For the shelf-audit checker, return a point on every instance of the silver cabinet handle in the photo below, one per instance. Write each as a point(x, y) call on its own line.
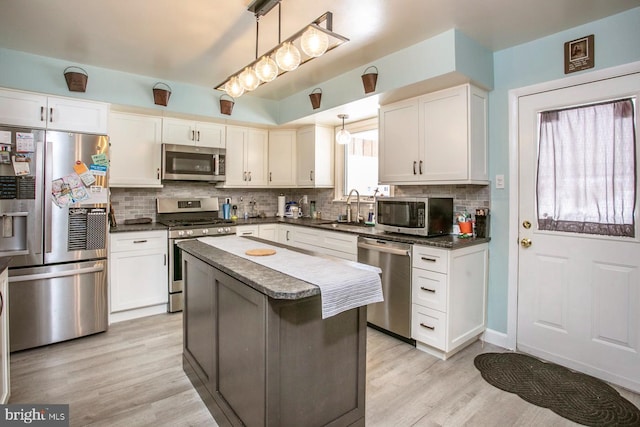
point(287, 236)
point(244, 175)
point(42, 113)
point(414, 167)
point(165, 259)
point(198, 136)
point(51, 115)
point(310, 175)
point(249, 175)
point(140, 241)
point(247, 233)
point(431, 328)
point(270, 176)
point(55, 274)
point(193, 135)
point(420, 167)
point(158, 173)
point(428, 259)
point(427, 289)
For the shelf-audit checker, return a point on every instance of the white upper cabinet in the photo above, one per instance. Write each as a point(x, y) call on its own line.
point(135, 150)
point(437, 138)
point(52, 112)
point(282, 158)
point(188, 132)
point(247, 157)
point(315, 156)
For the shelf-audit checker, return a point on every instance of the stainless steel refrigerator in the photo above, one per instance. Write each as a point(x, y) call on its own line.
point(53, 223)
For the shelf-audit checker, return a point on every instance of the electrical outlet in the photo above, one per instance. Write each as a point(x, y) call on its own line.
point(500, 181)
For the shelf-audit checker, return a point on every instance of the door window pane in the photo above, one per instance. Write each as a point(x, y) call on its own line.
point(586, 180)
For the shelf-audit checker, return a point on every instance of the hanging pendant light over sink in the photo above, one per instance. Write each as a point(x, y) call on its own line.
point(343, 137)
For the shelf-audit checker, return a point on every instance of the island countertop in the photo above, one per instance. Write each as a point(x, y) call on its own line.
point(272, 283)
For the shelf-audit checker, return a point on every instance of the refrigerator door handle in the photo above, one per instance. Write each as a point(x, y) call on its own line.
point(47, 198)
point(54, 274)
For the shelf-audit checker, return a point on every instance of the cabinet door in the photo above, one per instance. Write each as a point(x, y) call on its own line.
point(282, 158)
point(241, 313)
point(399, 143)
point(210, 135)
point(135, 150)
point(177, 131)
point(444, 135)
point(235, 161)
point(257, 153)
point(138, 279)
point(268, 232)
point(23, 109)
point(4, 337)
point(77, 116)
point(324, 144)
point(306, 157)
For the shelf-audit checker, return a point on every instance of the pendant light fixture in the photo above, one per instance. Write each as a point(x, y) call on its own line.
point(310, 42)
point(343, 137)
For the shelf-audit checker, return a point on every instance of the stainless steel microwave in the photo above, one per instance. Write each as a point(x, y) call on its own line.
point(192, 163)
point(422, 216)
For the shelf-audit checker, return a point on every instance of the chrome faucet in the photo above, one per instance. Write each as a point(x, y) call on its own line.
point(358, 216)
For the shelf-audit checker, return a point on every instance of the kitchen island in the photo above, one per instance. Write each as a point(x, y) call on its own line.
point(258, 351)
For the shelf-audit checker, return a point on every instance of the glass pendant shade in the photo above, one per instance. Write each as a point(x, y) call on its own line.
point(266, 69)
point(314, 43)
point(288, 57)
point(233, 87)
point(248, 79)
point(343, 137)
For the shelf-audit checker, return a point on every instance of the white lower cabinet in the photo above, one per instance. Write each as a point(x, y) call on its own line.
point(248, 230)
point(334, 243)
point(5, 389)
point(138, 274)
point(449, 297)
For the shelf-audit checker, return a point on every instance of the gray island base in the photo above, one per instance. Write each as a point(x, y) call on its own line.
point(258, 351)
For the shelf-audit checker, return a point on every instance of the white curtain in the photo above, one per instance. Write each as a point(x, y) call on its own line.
point(586, 180)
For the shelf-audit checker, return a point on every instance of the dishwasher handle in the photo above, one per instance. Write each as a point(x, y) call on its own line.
point(380, 247)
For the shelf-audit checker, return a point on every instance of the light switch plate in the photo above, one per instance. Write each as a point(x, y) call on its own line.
point(499, 181)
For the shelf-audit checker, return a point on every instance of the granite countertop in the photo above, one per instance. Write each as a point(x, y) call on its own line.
point(272, 283)
point(447, 242)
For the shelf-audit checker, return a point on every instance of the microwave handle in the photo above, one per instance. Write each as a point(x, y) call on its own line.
point(216, 163)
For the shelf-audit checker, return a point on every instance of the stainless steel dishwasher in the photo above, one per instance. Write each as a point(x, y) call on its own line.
point(394, 259)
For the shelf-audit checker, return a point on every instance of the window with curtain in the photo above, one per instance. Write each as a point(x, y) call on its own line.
point(586, 178)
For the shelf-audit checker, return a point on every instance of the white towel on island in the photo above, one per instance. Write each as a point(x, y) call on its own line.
point(343, 284)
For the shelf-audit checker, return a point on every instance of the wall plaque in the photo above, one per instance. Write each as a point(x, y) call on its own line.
point(579, 54)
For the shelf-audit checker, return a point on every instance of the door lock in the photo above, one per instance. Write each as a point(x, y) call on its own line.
point(526, 224)
point(525, 243)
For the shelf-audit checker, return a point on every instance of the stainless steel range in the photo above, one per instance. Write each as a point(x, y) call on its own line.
point(187, 218)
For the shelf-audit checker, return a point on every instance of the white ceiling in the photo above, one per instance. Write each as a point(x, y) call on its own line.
point(203, 41)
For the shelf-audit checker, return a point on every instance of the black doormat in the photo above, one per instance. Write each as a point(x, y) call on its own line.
point(572, 395)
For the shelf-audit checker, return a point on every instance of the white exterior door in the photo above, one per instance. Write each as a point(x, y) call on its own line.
point(578, 294)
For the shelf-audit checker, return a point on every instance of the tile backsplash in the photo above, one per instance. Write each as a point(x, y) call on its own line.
point(131, 203)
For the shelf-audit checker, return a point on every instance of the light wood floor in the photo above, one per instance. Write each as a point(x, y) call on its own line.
point(132, 376)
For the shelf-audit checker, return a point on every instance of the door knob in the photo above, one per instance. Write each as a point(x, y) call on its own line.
point(525, 243)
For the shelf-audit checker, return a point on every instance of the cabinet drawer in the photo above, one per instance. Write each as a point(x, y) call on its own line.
point(138, 241)
point(428, 326)
point(429, 289)
point(432, 259)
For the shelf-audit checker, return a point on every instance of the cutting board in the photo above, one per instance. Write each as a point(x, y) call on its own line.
point(260, 252)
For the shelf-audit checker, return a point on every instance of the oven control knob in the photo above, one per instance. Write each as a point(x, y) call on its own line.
point(220, 230)
point(189, 232)
point(181, 233)
point(205, 231)
point(227, 229)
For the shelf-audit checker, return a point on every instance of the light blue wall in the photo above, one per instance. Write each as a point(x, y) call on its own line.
point(446, 53)
point(617, 41)
point(42, 74)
